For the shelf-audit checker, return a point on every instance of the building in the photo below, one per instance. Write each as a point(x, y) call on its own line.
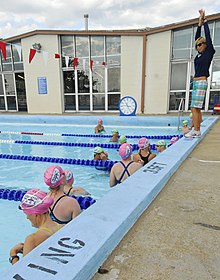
point(53, 71)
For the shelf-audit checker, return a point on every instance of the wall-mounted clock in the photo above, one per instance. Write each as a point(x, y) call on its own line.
point(127, 106)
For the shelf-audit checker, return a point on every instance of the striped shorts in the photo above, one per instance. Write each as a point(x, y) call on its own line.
point(198, 94)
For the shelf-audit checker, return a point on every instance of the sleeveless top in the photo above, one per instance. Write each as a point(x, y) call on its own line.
point(145, 159)
point(49, 230)
point(124, 171)
point(53, 217)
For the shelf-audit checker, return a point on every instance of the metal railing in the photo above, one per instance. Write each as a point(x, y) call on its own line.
point(180, 111)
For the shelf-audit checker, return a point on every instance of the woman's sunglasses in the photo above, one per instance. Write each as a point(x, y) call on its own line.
point(199, 45)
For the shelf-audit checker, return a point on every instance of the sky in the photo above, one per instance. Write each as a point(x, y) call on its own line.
point(18, 17)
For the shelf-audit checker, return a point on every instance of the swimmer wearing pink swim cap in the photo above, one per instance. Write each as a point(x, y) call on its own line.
point(69, 189)
point(64, 208)
point(35, 204)
point(144, 154)
point(99, 128)
point(124, 168)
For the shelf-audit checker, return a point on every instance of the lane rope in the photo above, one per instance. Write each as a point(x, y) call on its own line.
point(168, 137)
point(17, 195)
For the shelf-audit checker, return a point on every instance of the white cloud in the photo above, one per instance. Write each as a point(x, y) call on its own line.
point(17, 17)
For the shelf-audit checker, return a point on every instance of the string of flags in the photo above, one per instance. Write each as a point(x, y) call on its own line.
point(32, 53)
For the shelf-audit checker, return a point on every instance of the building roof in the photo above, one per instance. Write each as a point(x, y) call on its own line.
point(125, 32)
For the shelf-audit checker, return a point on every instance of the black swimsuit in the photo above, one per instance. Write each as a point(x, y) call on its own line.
point(69, 191)
point(145, 159)
point(53, 217)
point(125, 171)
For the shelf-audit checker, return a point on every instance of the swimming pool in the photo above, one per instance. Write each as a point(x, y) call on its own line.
point(29, 174)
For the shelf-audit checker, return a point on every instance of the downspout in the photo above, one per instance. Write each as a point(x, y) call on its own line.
point(143, 72)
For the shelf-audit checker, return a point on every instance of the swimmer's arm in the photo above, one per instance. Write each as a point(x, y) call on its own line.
point(30, 243)
point(16, 250)
point(152, 156)
point(76, 208)
point(137, 158)
point(112, 181)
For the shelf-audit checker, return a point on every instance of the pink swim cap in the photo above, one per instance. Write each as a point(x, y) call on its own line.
point(36, 202)
point(99, 121)
point(174, 139)
point(69, 176)
point(143, 143)
point(53, 176)
point(125, 150)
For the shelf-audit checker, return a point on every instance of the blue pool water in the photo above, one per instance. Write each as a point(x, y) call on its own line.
point(27, 174)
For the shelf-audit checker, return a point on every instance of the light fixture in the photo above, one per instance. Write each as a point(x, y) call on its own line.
point(37, 47)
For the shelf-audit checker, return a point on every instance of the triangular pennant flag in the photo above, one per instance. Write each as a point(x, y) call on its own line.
point(67, 60)
point(3, 48)
point(91, 63)
point(75, 62)
point(31, 54)
point(18, 48)
point(57, 55)
point(84, 64)
point(45, 56)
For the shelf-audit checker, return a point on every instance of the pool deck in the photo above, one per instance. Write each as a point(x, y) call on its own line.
point(178, 236)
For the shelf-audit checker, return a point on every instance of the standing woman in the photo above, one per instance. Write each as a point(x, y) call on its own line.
point(202, 63)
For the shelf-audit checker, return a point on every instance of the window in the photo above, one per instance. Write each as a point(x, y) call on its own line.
point(17, 56)
point(98, 80)
point(214, 98)
point(84, 102)
point(97, 50)
point(182, 44)
point(7, 64)
point(82, 52)
point(83, 81)
point(9, 84)
point(178, 76)
point(70, 102)
point(98, 101)
point(97, 73)
point(12, 81)
point(215, 80)
point(114, 79)
point(217, 38)
point(68, 50)
point(113, 50)
point(21, 92)
point(113, 101)
point(69, 81)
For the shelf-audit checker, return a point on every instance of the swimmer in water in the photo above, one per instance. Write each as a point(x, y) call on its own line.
point(35, 204)
point(100, 154)
point(99, 128)
point(115, 135)
point(69, 189)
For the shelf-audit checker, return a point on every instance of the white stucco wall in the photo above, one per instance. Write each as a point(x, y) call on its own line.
point(157, 73)
point(131, 67)
point(51, 102)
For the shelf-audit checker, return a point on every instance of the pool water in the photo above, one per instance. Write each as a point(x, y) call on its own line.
point(18, 174)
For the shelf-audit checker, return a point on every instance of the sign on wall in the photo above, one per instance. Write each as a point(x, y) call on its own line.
point(42, 85)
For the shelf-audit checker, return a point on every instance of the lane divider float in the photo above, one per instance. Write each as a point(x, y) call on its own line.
point(100, 163)
point(17, 195)
point(168, 137)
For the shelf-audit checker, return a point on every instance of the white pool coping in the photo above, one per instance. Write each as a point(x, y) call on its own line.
point(78, 249)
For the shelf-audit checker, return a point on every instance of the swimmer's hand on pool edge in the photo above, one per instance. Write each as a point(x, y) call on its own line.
point(17, 249)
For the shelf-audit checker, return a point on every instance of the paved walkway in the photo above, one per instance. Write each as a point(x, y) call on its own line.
point(178, 236)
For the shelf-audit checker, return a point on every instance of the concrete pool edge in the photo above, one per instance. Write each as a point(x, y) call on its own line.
point(107, 226)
